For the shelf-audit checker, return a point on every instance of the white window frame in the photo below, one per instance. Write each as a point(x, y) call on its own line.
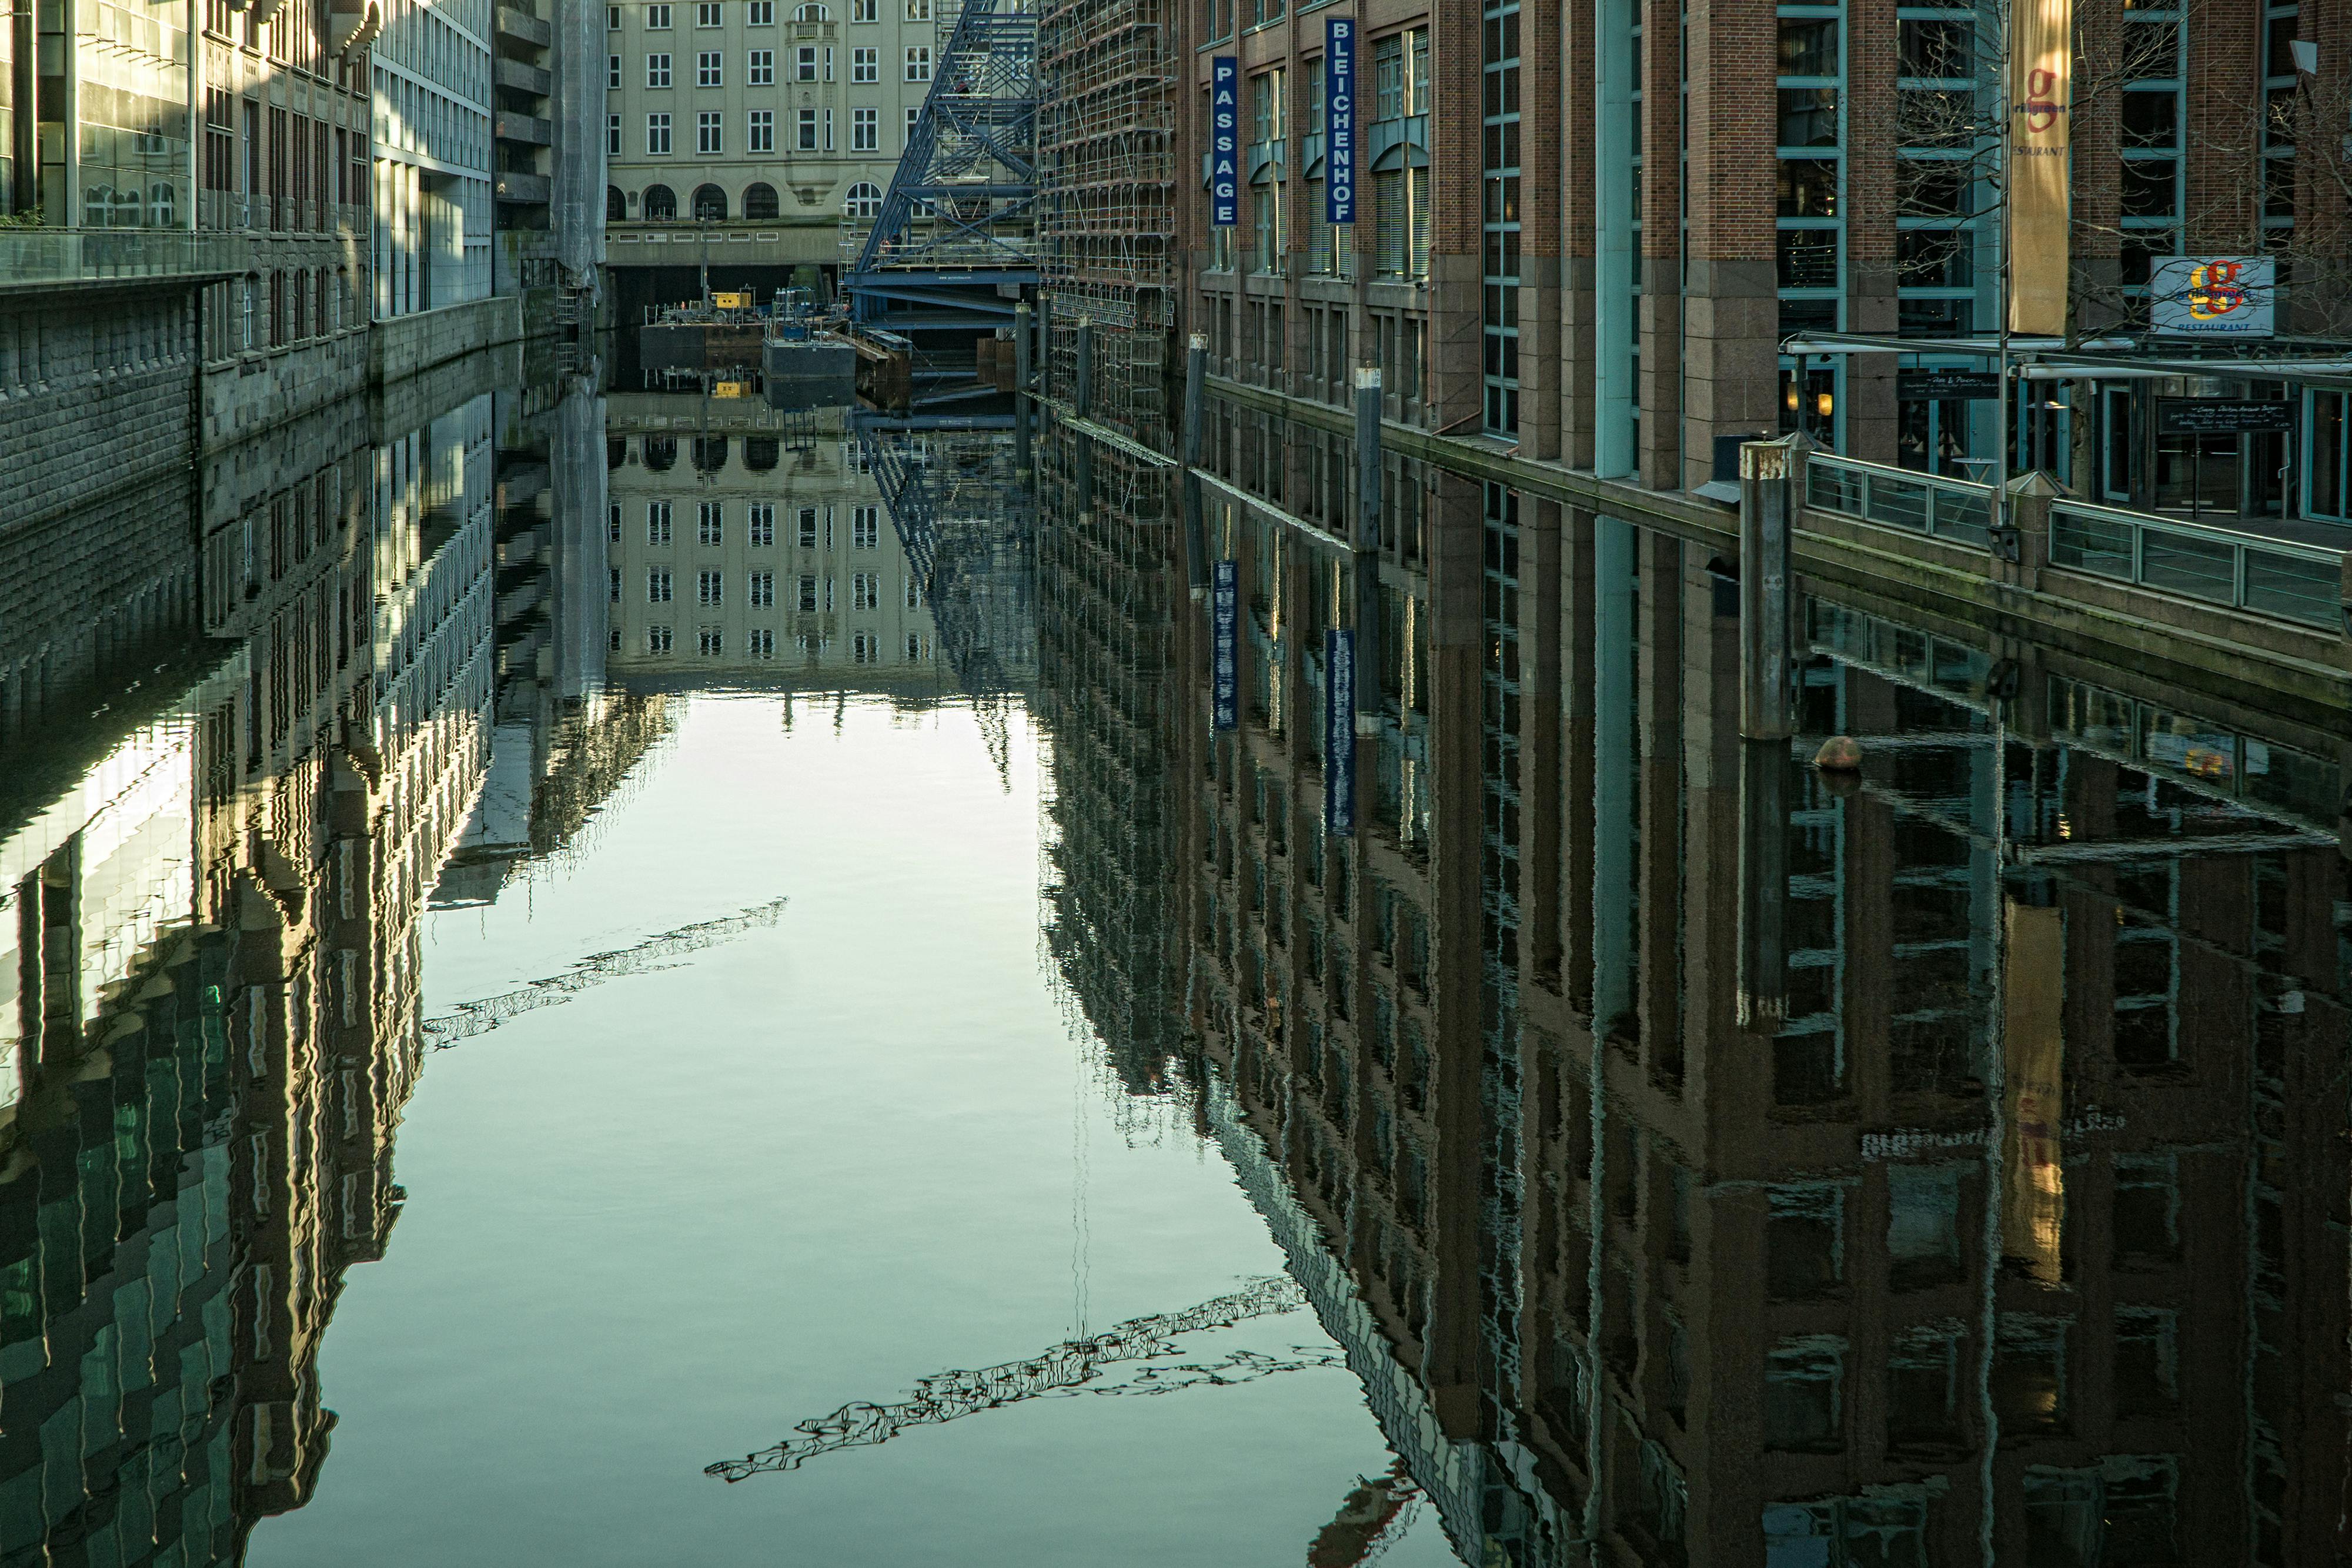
point(656, 135)
point(762, 132)
point(864, 10)
point(865, 65)
point(657, 69)
point(760, 14)
point(657, 18)
point(711, 68)
point(804, 63)
point(864, 130)
point(613, 72)
point(914, 113)
point(710, 13)
point(612, 136)
point(919, 10)
point(918, 62)
point(709, 132)
point(759, 67)
point(806, 140)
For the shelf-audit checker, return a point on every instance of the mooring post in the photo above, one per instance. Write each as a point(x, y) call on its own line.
point(1763, 978)
point(1367, 543)
point(1021, 345)
point(1196, 548)
point(1767, 700)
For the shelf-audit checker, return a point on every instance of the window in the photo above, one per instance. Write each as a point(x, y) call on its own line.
point(863, 201)
point(917, 646)
point(763, 67)
point(914, 594)
point(808, 528)
point(658, 637)
point(828, 129)
point(865, 130)
point(804, 64)
point(828, 65)
point(918, 63)
point(914, 113)
point(709, 13)
point(865, 590)
point(865, 528)
point(707, 137)
point(611, 18)
point(709, 588)
point(808, 130)
point(760, 14)
point(1804, 1386)
point(808, 591)
point(710, 522)
point(613, 523)
point(862, 10)
point(656, 586)
point(613, 72)
point(865, 648)
point(657, 522)
point(865, 65)
point(657, 71)
point(761, 523)
point(612, 142)
point(709, 640)
point(614, 593)
point(760, 589)
point(661, 204)
point(658, 17)
point(919, 10)
point(812, 12)
point(760, 197)
point(760, 642)
point(708, 69)
point(762, 139)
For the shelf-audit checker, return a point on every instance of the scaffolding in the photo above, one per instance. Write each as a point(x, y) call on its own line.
point(1106, 147)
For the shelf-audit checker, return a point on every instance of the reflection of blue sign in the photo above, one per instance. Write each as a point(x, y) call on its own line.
point(1224, 614)
point(1339, 731)
point(1224, 141)
point(1340, 122)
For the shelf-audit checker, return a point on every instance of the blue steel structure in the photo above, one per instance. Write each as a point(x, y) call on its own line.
point(954, 246)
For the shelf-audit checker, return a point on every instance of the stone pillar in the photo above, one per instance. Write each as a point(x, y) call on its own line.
point(1731, 322)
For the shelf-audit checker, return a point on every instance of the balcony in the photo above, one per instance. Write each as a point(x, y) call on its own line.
point(524, 29)
point(522, 189)
point(520, 77)
point(33, 259)
point(528, 129)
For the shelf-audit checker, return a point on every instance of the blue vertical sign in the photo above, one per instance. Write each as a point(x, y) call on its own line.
point(1224, 615)
point(1339, 732)
point(1224, 141)
point(1340, 122)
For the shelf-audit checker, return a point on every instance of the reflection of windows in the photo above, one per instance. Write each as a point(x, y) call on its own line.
point(808, 528)
point(2145, 1218)
point(2146, 1372)
point(865, 590)
point(710, 522)
point(656, 639)
point(918, 646)
point(1804, 1394)
point(656, 586)
point(711, 641)
point(1888, 1527)
point(1922, 1370)
point(2028, 1374)
point(710, 588)
point(2121, 1509)
point(656, 520)
point(1922, 1225)
point(760, 589)
point(914, 594)
point(762, 522)
point(1804, 1243)
point(865, 648)
point(760, 644)
point(865, 528)
point(616, 593)
point(613, 522)
point(807, 591)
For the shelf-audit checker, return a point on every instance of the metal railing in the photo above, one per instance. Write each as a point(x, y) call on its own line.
point(2274, 578)
point(1960, 510)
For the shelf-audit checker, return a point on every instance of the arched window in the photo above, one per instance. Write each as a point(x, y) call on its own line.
point(617, 206)
point(760, 201)
point(98, 206)
point(162, 206)
point(709, 204)
point(863, 201)
point(760, 453)
point(661, 205)
point(660, 452)
point(812, 12)
point(709, 454)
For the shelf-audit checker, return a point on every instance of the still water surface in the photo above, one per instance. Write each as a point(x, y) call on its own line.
point(581, 965)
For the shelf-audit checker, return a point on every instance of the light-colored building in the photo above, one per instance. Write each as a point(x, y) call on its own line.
point(777, 118)
point(735, 554)
point(433, 76)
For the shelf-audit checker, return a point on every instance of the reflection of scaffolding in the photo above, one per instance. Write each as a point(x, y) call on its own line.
point(970, 536)
point(1107, 144)
point(958, 220)
point(1106, 566)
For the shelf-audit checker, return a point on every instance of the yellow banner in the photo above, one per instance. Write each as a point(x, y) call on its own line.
point(2041, 79)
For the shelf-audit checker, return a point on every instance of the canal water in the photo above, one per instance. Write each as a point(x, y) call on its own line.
point(602, 979)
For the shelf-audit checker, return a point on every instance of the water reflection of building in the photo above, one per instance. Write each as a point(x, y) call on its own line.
point(2005, 1219)
point(741, 553)
point(208, 1003)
